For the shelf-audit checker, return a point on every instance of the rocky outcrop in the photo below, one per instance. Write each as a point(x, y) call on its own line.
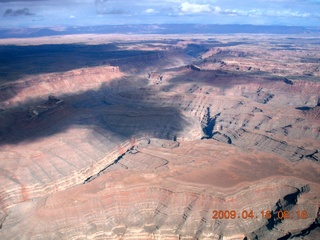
point(260, 96)
point(248, 140)
point(39, 110)
point(149, 193)
point(30, 89)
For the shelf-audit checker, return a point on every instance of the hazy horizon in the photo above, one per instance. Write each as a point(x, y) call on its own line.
point(73, 13)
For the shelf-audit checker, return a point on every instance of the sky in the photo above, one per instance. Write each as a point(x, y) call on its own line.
point(65, 13)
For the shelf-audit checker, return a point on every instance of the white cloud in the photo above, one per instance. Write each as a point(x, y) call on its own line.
point(187, 7)
point(217, 9)
point(266, 13)
point(288, 13)
point(150, 10)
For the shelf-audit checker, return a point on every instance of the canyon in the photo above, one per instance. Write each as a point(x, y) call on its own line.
point(146, 136)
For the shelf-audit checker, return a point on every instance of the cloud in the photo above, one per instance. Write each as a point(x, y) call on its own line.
point(267, 13)
point(19, 12)
point(216, 9)
point(104, 7)
point(149, 10)
point(101, 6)
point(187, 7)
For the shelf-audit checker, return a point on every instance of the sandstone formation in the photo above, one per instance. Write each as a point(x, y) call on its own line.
point(149, 145)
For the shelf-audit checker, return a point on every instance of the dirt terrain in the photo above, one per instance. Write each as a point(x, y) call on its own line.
point(146, 137)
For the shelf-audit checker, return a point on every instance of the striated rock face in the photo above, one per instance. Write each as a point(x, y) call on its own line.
point(154, 191)
point(144, 147)
point(35, 87)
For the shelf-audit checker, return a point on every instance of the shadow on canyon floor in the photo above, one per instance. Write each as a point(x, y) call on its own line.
point(90, 109)
point(19, 61)
point(24, 61)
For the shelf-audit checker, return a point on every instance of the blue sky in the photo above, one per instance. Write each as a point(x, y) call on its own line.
point(62, 13)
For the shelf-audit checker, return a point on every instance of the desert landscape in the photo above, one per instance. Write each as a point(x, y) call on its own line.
point(111, 136)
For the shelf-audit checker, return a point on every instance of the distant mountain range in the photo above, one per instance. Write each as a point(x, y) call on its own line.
point(156, 29)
